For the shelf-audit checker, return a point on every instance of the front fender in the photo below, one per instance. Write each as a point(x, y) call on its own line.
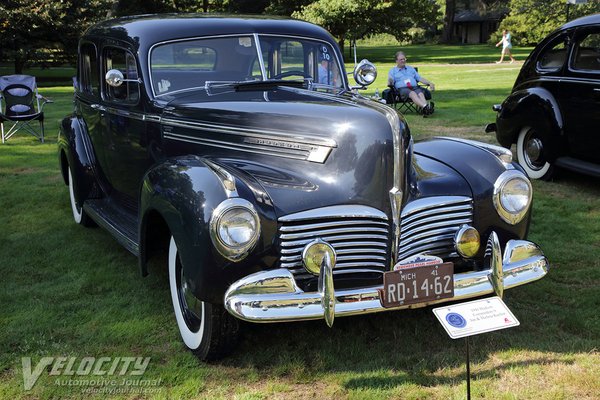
point(185, 191)
point(479, 169)
point(74, 149)
point(535, 107)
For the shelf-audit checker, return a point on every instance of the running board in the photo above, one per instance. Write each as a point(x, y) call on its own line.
point(121, 224)
point(580, 166)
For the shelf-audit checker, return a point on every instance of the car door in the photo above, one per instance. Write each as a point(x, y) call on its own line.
point(88, 106)
point(124, 127)
point(580, 95)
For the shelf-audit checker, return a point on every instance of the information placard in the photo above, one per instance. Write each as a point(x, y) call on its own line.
point(475, 317)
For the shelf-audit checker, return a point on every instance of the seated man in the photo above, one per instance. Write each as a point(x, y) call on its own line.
point(328, 74)
point(404, 78)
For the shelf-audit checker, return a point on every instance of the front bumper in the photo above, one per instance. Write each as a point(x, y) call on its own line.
point(273, 296)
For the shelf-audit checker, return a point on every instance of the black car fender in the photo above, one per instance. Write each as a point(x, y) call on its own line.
point(75, 151)
point(535, 107)
point(480, 169)
point(183, 192)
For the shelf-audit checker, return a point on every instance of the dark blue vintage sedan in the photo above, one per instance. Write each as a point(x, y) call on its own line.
point(553, 112)
point(237, 146)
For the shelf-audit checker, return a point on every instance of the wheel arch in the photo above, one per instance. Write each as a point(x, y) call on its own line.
point(531, 107)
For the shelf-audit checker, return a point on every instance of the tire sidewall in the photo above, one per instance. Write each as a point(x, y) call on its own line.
point(540, 173)
point(193, 340)
point(77, 211)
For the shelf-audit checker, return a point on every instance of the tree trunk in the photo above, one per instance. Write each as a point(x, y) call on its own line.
point(449, 21)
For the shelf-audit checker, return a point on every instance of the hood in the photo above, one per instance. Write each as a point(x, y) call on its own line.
point(305, 149)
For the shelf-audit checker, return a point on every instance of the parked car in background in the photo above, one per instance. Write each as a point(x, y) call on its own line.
point(553, 112)
point(279, 196)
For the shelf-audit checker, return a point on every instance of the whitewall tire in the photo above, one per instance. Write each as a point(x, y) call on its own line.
point(205, 328)
point(79, 215)
point(531, 154)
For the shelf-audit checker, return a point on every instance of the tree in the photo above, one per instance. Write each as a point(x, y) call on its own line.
point(356, 19)
point(531, 20)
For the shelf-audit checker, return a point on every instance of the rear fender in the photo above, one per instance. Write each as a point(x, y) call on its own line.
point(534, 107)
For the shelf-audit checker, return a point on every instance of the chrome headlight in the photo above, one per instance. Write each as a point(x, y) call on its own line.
point(365, 73)
point(234, 228)
point(512, 196)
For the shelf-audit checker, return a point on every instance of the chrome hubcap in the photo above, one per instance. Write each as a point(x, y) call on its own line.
point(191, 307)
point(534, 149)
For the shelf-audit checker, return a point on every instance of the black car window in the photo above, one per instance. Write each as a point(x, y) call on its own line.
point(88, 69)
point(554, 55)
point(587, 53)
point(124, 61)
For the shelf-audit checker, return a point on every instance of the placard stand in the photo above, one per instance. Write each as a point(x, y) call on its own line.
point(472, 318)
point(468, 371)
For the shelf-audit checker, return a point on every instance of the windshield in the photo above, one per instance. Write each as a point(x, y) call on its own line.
point(187, 64)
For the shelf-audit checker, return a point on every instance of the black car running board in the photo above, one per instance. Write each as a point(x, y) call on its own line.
point(120, 223)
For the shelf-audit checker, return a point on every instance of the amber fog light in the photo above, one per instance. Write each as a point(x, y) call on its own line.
point(467, 241)
point(314, 253)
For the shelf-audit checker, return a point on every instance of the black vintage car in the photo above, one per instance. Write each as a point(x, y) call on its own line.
point(278, 192)
point(553, 112)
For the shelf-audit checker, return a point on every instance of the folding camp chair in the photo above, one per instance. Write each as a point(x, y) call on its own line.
point(403, 103)
point(17, 95)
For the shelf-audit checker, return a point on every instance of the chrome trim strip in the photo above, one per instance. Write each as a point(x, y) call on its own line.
point(396, 192)
point(234, 146)
point(273, 296)
point(351, 245)
point(297, 228)
point(335, 231)
point(432, 203)
point(341, 211)
point(333, 239)
point(227, 180)
point(294, 141)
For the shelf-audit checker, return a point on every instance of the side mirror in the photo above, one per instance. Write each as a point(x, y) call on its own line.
point(115, 78)
point(365, 73)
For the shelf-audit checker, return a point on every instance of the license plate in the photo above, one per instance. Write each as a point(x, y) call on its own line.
point(417, 285)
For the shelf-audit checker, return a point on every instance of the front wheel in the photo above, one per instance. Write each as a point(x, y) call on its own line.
point(208, 330)
point(532, 154)
point(79, 214)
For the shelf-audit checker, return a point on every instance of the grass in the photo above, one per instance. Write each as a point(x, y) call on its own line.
point(70, 291)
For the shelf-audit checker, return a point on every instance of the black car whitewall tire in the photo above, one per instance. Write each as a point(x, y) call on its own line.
point(79, 215)
point(205, 328)
point(531, 154)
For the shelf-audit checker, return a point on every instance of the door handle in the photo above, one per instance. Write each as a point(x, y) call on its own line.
point(98, 107)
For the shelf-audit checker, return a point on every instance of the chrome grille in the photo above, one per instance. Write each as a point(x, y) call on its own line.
point(429, 225)
point(359, 235)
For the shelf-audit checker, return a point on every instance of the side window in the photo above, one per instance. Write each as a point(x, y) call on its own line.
point(587, 53)
point(88, 70)
point(554, 55)
point(291, 56)
point(124, 61)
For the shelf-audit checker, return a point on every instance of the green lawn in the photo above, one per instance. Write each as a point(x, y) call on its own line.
point(70, 291)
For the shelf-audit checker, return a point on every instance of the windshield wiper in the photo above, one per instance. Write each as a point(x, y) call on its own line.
point(269, 84)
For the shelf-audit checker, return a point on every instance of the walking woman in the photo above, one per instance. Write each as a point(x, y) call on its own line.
point(506, 46)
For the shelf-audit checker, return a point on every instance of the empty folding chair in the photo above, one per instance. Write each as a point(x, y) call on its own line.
point(20, 106)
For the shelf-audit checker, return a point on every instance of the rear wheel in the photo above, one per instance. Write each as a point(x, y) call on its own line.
point(79, 214)
point(208, 330)
point(532, 154)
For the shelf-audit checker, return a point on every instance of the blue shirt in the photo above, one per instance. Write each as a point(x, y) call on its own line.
point(404, 77)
